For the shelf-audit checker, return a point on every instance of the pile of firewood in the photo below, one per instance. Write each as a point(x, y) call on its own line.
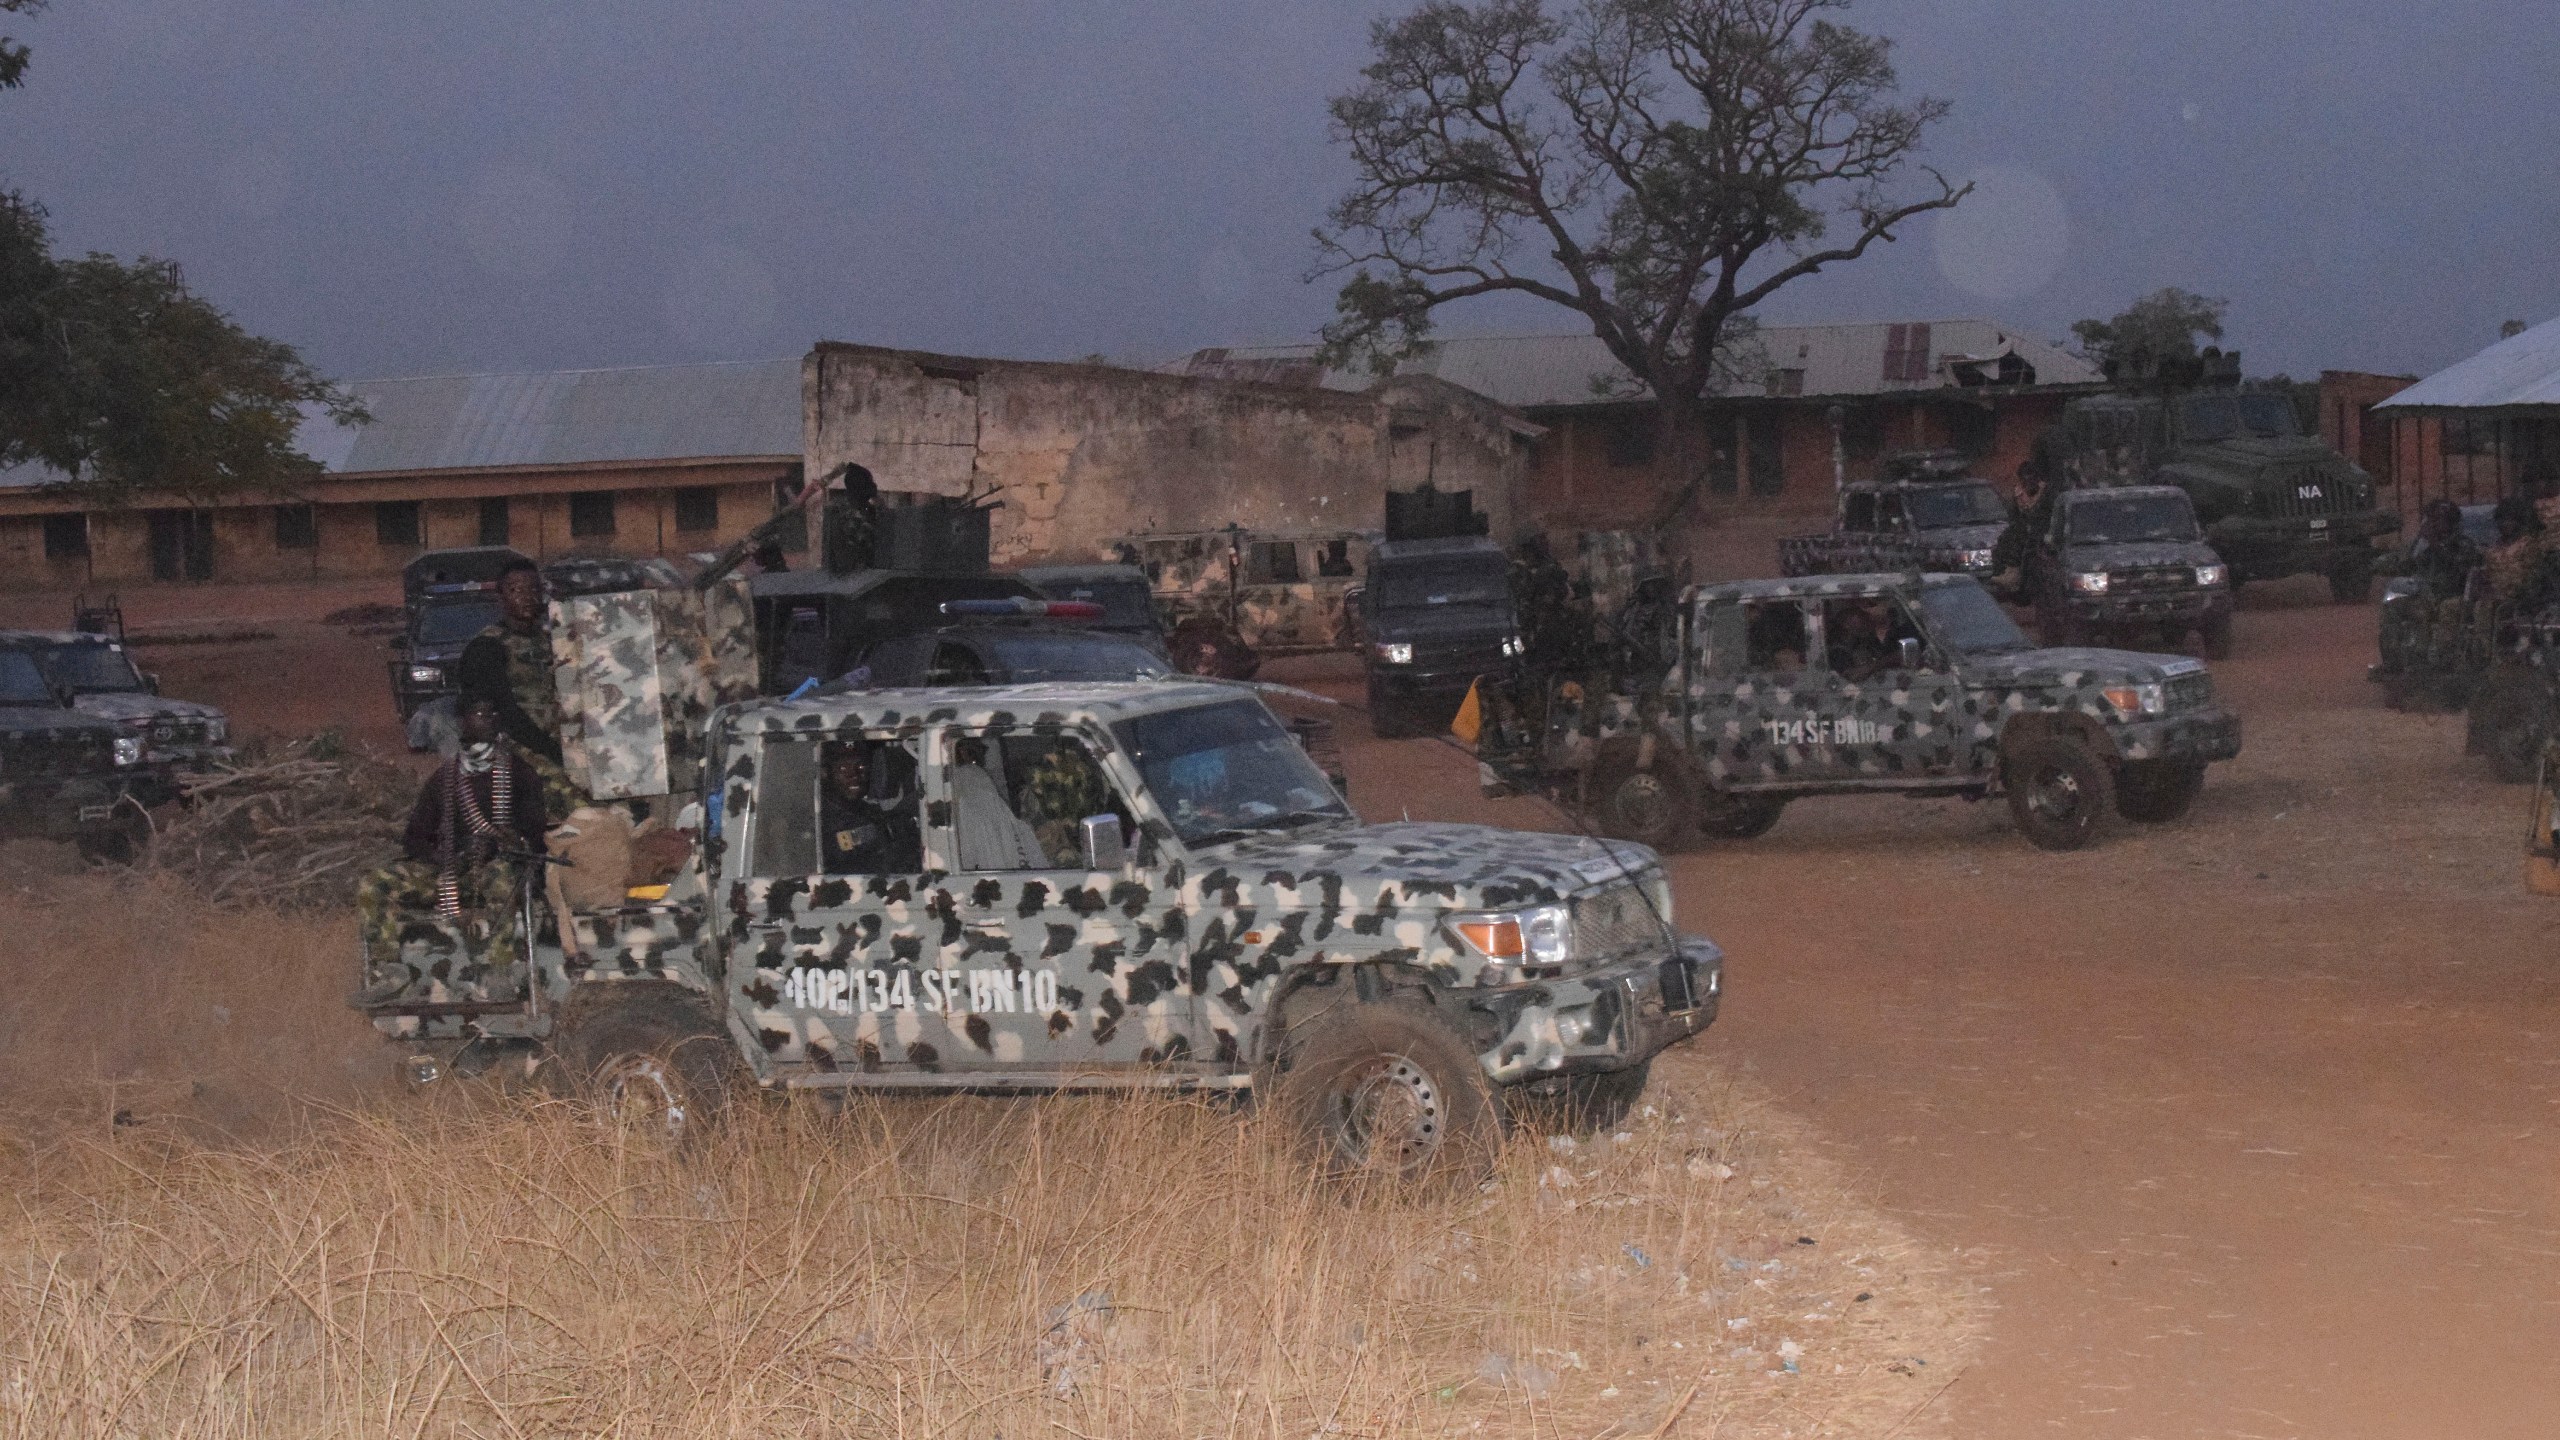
point(292, 825)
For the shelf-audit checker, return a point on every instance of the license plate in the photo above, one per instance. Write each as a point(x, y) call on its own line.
point(2319, 524)
point(95, 812)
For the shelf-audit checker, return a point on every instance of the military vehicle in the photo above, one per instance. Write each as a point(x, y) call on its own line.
point(448, 596)
point(986, 646)
point(1232, 598)
point(1127, 598)
point(1435, 615)
point(1219, 919)
point(2115, 560)
point(2273, 501)
point(1927, 511)
point(1865, 684)
point(65, 775)
point(97, 674)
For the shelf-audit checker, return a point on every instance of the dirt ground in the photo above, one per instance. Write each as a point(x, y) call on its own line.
point(2247, 1121)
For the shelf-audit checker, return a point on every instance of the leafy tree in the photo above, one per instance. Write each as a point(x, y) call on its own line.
point(1658, 167)
point(2155, 336)
point(120, 377)
point(13, 53)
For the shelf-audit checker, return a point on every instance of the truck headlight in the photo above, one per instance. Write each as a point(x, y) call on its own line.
point(2132, 701)
point(217, 731)
point(425, 675)
point(2090, 582)
point(1393, 652)
point(129, 749)
point(1974, 559)
point(1513, 645)
point(2211, 575)
point(1538, 935)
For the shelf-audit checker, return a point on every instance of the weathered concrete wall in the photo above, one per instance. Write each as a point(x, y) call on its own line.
point(1083, 454)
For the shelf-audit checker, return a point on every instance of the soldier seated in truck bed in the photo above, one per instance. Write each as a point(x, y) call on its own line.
point(1767, 704)
point(1925, 513)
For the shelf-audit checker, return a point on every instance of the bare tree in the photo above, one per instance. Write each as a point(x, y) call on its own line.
point(1658, 167)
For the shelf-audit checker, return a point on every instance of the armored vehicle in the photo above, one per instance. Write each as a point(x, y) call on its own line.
point(1127, 598)
point(1436, 614)
point(1862, 684)
point(97, 674)
point(447, 597)
point(2273, 501)
point(1927, 512)
point(1112, 885)
point(65, 775)
point(813, 625)
point(2126, 558)
point(1234, 597)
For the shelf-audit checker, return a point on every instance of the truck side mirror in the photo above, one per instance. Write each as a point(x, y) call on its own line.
point(1357, 598)
point(1910, 648)
point(1104, 847)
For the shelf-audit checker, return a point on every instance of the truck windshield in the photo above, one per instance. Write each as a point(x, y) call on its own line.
point(21, 683)
point(2230, 416)
point(1964, 617)
point(455, 621)
point(1227, 770)
point(2265, 412)
point(1943, 507)
point(90, 669)
point(1411, 587)
point(1079, 655)
point(2126, 519)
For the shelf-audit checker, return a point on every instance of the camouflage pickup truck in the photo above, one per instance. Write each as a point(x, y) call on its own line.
point(1860, 684)
point(66, 775)
point(1138, 884)
point(1926, 513)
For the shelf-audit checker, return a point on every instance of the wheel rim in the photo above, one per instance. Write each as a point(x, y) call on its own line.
point(1387, 1115)
point(2055, 795)
point(642, 1092)
point(1642, 805)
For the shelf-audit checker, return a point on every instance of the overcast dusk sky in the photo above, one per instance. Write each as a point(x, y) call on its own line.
point(497, 184)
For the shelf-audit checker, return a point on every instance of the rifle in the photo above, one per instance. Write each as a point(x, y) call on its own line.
point(811, 495)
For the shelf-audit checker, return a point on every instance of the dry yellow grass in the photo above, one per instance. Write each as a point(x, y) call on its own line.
point(495, 1264)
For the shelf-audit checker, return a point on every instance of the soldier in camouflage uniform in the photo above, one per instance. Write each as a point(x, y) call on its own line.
point(2427, 629)
point(511, 664)
point(478, 805)
point(1063, 789)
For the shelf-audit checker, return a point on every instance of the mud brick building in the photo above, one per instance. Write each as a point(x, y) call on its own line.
point(1801, 403)
point(643, 461)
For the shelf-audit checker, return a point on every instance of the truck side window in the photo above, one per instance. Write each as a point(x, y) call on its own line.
point(1859, 512)
point(1018, 801)
point(1889, 514)
point(786, 823)
point(1334, 559)
point(1272, 562)
point(843, 805)
point(1774, 635)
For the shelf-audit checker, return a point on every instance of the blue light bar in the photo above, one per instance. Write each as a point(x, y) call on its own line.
point(1024, 605)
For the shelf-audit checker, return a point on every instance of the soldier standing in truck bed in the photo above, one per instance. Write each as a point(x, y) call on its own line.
point(510, 665)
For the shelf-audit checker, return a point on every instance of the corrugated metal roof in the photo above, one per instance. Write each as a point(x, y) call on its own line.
point(453, 422)
point(1533, 371)
point(2519, 370)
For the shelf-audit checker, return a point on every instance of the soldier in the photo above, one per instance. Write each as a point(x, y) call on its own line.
point(1858, 649)
point(2029, 513)
point(482, 803)
point(1062, 791)
point(510, 665)
point(2427, 628)
point(859, 834)
point(1648, 629)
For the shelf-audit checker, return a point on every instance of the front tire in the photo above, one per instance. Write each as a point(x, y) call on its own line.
point(1384, 1090)
point(2059, 791)
point(2152, 791)
point(1650, 807)
point(655, 1062)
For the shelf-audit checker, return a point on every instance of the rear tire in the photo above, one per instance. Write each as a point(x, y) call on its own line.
point(1385, 1091)
point(1650, 807)
point(655, 1062)
point(2059, 790)
point(2152, 791)
point(1739, 817)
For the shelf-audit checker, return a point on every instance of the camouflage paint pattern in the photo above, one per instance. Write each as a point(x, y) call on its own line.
point(1609, 561)
point(1196, 576)
point(639, 673)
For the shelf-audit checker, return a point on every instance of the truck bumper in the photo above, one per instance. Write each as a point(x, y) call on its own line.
point(2202, 736)
point(2272, 549)
point(1405, 682)
point(1608, 1019)
point(2172, 607)
point(61, 809)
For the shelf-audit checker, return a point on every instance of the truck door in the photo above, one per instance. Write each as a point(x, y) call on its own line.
point(839, 957)
point(1071, 966)
point(1750, 669)
point(1879, 711)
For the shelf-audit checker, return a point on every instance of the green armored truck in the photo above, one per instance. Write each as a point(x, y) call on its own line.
point(1135, 884)
point(1869, 684)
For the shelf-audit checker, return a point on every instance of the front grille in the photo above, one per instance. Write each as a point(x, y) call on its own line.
point(2150, 579)
point(1470, 655)
point(1615, 922)
point(2298, 490)
point(2190, 692)
point(178, 732)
